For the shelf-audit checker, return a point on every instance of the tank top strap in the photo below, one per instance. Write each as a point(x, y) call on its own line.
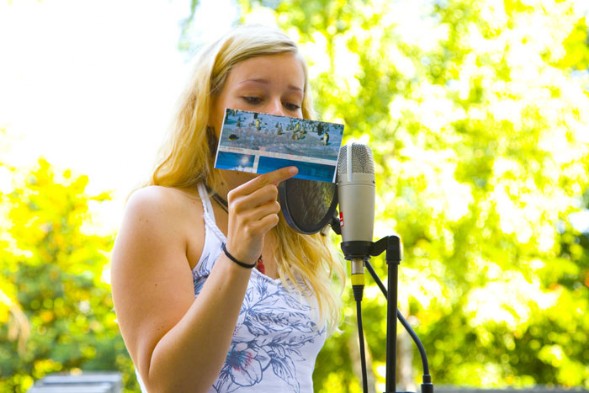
point(209, 214)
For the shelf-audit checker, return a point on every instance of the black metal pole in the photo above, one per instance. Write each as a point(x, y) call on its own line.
point(391, 384)
point(393, 258)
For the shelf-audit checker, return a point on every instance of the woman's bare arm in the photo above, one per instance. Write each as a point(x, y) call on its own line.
point(179, 342)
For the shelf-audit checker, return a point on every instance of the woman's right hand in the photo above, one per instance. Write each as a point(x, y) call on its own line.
point(253, 212)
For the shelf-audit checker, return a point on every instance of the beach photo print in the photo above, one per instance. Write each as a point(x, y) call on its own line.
point(260, 143)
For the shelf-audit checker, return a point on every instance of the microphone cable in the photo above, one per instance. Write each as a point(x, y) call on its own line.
point(357, 273)
point(426, 386)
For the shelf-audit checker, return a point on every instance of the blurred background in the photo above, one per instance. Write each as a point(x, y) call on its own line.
point(477, 112)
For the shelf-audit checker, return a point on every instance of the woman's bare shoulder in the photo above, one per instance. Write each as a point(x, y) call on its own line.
point(165, 210)
point(162, 197)
point(157, 202)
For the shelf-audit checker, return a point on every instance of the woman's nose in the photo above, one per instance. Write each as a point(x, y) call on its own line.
point(275, 107)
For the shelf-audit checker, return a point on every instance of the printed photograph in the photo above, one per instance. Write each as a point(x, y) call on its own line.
point(259, 143)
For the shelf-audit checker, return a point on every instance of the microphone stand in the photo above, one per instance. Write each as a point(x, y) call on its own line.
point(392, 246)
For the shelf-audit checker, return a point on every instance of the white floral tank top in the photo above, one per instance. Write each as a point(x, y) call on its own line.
point(276, 340)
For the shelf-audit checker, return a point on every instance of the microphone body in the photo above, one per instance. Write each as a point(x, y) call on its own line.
point(356, 195)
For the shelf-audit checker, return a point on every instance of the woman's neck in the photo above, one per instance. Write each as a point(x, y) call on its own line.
point(231, 180)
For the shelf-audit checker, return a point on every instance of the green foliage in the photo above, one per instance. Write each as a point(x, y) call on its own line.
point(56, 308)
point(477, 113)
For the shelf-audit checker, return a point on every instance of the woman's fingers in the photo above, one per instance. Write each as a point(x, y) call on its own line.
point(270, 178)
point(253, 211)
point(258, 191)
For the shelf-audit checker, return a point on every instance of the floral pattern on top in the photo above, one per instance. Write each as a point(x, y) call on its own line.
point(272, 334)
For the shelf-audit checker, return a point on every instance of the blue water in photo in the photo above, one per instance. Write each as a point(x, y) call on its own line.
point(235, 161)
point(307, 170)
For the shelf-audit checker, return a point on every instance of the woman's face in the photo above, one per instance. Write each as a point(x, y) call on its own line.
point(272, 84)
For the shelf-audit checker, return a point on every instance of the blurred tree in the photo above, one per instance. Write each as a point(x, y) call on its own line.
point(55, 304)
point(477, 112)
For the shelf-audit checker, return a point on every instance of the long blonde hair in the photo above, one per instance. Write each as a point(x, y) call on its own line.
point(189, 154)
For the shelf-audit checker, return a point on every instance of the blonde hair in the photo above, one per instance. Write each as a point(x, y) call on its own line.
point(304, 261)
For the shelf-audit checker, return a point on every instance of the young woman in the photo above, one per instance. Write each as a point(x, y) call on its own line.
point(195, 310)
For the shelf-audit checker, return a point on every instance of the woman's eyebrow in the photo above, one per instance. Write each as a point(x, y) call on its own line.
point(263, 81)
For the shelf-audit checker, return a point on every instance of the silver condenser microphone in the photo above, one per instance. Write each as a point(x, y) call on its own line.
point(356, 195)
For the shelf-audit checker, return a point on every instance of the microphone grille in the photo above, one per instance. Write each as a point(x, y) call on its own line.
point(359, 156)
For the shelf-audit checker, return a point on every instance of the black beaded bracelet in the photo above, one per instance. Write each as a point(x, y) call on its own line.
point(233, 259)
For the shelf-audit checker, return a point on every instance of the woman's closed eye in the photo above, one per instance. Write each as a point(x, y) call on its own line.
point(252, 100)
point(256, 100)
point(292, 107)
